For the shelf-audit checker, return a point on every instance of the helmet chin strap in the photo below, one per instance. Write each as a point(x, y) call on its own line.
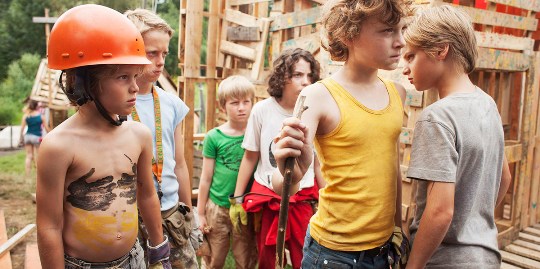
point(82, 94)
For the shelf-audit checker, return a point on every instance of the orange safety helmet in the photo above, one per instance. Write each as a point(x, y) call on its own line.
point(94, 34)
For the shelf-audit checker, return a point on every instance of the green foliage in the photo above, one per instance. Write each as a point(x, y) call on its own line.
point(18, 33)
point(16, 87)
point(169, 11)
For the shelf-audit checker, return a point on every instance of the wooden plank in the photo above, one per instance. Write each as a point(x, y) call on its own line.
point(240, 18)
point(533, 5)
point(503, 41)
point(5, 260)
point(532, 231)
point(242, 33)
point(494, 18)
point(406, 135)
point(513, 151)
point(414, 98)
point(404, 211)
point(529, 238)
point(17, 238)
point(529, 245)
point(403, 169)
point(508, 266)
point(530, 113)
point(237, 50)
point(245, 2)
point(295, 19)
point(525, 252)
point(259, 57)
point(501, 60)
point(310, 43)
point(518, 260)
point(31, 257)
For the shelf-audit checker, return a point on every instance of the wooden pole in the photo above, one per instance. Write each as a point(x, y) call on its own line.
point(285, 195)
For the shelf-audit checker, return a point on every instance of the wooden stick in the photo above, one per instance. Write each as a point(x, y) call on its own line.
point(285, 195)
point(17, 238)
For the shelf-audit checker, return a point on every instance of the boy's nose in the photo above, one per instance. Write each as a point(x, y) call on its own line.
point(406, 70)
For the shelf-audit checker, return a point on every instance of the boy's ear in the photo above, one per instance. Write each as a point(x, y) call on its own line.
point(441, 54)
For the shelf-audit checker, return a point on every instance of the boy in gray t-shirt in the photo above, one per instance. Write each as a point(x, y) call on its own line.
point(458, 148)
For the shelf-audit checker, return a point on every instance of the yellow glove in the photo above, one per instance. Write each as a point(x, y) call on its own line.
point(237, 213)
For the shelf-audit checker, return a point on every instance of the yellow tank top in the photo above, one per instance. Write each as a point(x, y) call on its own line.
point(359, 159)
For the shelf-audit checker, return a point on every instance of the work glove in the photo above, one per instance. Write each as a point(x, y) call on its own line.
point(196, 236)
point(399, 249)
point(237, 213)
point(158, 256)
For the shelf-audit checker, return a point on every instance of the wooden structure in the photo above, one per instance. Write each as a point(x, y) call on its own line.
point(47, 90)
point(240, 32)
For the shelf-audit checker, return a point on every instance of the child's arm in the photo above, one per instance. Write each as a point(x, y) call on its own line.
point(434, 223)
point(147, 199)
point(51, 176)
point(247, 166)
point(506, 179)
point(204, 188)
point(23, 125)
point(181, 170)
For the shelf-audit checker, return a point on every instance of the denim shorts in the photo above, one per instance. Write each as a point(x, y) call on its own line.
point(134, 259)
point(32, 139)
point(318, 256)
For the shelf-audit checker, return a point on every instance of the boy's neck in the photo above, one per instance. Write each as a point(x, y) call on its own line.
point(453, 83)
point(145, 87)
point(90, 116)
point(357, 74)
point(287, 103)
point(234, 128)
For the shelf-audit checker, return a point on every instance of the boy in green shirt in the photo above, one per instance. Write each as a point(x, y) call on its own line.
point(222, 154)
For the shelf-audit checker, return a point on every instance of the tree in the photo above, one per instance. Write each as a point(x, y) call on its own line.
point(16, 87)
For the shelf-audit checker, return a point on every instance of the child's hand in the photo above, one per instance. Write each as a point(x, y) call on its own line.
point(292, 142)
point(158, 256)
point(204, 225)
point(237, 214)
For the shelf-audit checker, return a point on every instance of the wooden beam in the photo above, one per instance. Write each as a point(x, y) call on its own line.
point(31, 257)
point(295, 19)
point(526, 244)
point(513, 151)
point(240, 18)
point(494, 18)
point(508, 266)
point(237, 50)
point(259, 57)
point(518, 260)
point(245, 2)
point(414, 98)
point(533, 5)
point(16, 239)
point(311, 43)
point(525, 252)
point(529, 238)
point(243, 33)
point(5, 259)
point(51, 20)
point(406, 135)
point(503, 41)
point(501, 60)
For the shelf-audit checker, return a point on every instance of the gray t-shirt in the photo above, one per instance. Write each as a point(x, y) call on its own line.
point(459, 139)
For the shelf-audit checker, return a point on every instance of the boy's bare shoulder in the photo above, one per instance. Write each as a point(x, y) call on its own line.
point(139, 129)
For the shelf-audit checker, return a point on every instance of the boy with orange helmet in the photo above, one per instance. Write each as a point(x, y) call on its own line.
point(95, 170)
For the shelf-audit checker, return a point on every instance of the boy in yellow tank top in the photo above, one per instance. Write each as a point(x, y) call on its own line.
point(355, 132)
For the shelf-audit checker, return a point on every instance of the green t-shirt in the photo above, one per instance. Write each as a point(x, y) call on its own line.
point(227, 152)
